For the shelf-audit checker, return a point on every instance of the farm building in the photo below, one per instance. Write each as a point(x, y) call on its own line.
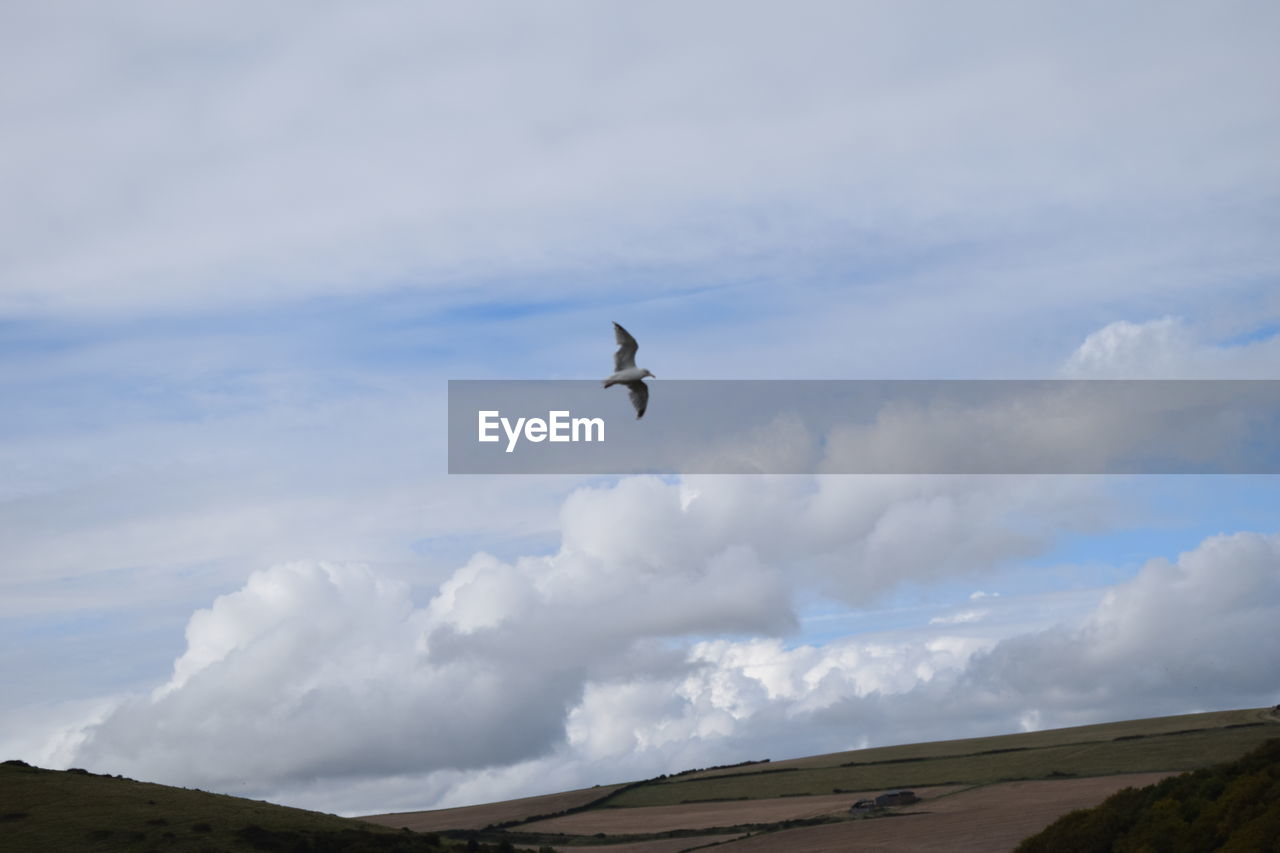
point(896, 798)
point(884, 801)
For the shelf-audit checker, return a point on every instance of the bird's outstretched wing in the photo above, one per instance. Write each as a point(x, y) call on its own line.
point(639, 397)
point(625, 357)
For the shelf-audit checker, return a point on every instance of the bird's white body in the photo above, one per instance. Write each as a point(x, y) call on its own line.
point(622, 377)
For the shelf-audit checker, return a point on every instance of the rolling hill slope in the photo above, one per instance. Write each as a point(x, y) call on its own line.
point(67, 811)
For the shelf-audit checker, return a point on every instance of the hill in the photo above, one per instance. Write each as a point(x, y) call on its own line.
point(1233, 806)
point(73, 810)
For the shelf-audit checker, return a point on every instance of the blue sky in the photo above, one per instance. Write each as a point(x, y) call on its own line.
point(244, 251)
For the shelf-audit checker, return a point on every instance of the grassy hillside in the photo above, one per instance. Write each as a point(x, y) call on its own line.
point(70, 811)
point(1166, 743)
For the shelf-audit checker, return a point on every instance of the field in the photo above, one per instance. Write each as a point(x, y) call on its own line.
point(623, 821)
point(980, 820)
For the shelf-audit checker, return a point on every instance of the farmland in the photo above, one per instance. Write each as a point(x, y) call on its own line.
point(977, 794)
point(704, 815)
point(978, 820)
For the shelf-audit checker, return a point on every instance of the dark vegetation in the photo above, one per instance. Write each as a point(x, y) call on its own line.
point(716, 767)
point(1232, 807)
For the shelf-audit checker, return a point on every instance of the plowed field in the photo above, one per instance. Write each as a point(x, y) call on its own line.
point(983, 820)
point(707, 815)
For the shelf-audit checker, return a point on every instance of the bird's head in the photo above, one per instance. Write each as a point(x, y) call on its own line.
point(650, 375)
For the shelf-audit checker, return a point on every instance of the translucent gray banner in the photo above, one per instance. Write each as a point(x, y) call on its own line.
point(867, 427)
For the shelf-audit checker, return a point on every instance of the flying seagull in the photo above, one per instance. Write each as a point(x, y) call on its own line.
point(626, 373)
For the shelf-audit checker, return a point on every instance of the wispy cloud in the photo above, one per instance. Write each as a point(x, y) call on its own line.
point(242, 156)
point(960, 617)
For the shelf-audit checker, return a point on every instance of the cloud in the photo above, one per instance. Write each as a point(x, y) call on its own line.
point(1129, 656)
point(653, 639)
point(241, 156)
point(1132, 655)
point(313, 673)
point(1194, 630)
point(498, 656)
point(960, 617)
point(1170, 348)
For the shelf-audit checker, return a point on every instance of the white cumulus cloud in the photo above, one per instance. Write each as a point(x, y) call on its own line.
point(1169, 348)
point(315, 679)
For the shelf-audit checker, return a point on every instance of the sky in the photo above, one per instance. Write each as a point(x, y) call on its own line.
point(245, 247)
